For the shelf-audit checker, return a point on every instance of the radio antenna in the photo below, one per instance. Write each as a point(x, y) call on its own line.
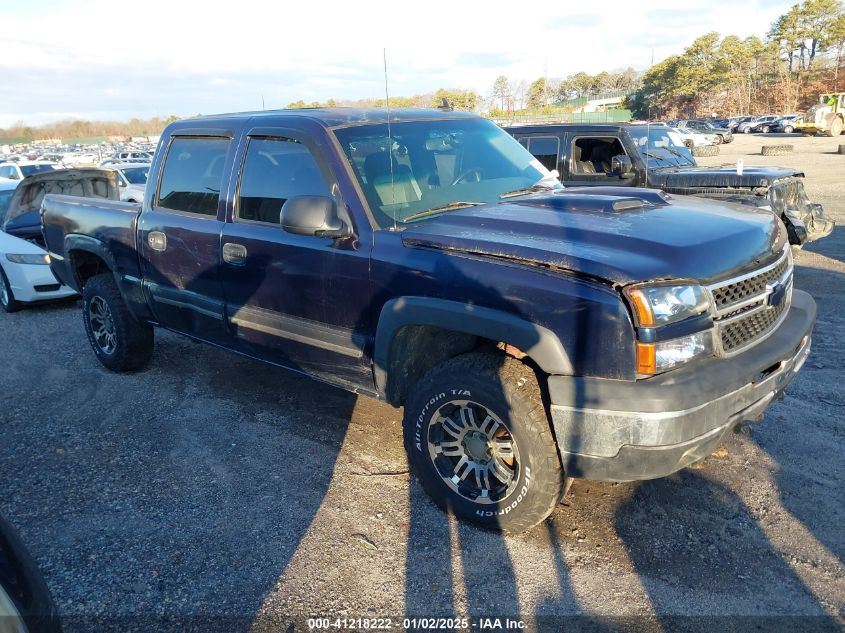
point(389, 140)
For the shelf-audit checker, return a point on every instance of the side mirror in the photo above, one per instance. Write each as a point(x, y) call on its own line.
point(312, 215)
point(555, 174)
point(621, 166)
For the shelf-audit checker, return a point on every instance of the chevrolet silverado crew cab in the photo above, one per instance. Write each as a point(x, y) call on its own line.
point(639, 155)
point(532, 333)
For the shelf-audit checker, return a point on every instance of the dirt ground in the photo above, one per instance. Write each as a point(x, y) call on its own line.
point(210, 492)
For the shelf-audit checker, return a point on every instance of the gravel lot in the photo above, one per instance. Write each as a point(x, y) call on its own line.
point(212, 486)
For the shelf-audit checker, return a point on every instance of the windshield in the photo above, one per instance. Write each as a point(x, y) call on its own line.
point(438, 166)
point(136, 175)
point(661, 146)
point(29, 170)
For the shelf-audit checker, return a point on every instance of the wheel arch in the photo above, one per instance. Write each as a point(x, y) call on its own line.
point(88, 257)
point(415, 333)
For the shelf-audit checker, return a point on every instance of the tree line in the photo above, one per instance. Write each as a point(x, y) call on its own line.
point(800, 57)
point(75, 128)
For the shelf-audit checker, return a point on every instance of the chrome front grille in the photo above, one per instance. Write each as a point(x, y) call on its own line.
point(749, 307)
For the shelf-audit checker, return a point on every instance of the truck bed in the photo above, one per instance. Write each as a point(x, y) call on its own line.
point(108, 227)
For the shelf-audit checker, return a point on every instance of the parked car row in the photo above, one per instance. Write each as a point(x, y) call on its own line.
point(764, 124)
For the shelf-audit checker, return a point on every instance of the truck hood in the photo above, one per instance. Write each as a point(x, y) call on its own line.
point(617, 234)
point(726, 176)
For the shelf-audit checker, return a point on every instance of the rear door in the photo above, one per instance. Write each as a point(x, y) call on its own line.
point(180, 235)
point(296, 300)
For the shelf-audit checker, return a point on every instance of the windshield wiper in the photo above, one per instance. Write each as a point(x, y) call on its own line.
point(526, 190)
point(675, 152)
point(645, 152)
point(452, 206)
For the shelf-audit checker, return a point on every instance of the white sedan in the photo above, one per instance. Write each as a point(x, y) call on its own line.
point(691, 138)
point(25, 275)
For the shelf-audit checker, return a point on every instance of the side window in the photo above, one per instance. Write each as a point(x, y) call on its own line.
point(274, 171)
point(546, 149)
point(594, 155)
point(193, 174)
point(5, 172)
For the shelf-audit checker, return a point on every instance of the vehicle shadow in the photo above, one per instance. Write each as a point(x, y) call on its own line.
point(696, 561)
point(812, 411)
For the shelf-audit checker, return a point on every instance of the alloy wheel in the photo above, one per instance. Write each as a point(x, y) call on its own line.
point(473, 451)
point(102, 325)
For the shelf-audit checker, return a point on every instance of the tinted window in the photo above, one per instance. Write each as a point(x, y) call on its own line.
point(7, 172)
point(545, 149)
point(29, 170)
point(136, 175)
point(274, 171)
point(193, 174)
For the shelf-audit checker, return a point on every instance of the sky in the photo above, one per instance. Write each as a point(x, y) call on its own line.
point(107, 60)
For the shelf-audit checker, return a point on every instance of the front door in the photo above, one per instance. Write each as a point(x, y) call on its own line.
point(589, 161)
point(180, 238)
point(295, 300)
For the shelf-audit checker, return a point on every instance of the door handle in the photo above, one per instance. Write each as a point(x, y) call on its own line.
point(234, 254)
point(157, 240)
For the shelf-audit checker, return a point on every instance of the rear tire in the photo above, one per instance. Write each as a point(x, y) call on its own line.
point(478, 438)
point(119, 341)
point(7, 297)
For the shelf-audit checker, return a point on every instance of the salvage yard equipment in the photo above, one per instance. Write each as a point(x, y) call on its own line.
point(827, 117)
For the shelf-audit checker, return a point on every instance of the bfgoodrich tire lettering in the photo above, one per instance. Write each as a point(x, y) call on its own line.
point(119, 341)
point(478, 439)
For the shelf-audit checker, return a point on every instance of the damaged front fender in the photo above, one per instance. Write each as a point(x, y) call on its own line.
point(786, 197)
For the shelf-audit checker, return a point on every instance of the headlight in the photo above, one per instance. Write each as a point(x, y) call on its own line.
point(655, 358)
point(29, 258)
point(659, 305)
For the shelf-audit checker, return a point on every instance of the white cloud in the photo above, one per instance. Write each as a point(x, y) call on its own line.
point(184, 57)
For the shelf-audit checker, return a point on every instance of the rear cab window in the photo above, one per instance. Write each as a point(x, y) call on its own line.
point(192, 176)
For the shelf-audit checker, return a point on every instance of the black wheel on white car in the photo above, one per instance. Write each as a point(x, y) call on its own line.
point(478, 438)
point(119, 341)
point(7, 297)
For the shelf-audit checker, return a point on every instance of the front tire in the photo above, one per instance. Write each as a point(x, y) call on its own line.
point(7, 297)
point(478, 439)
point(788, 129)
point(119, 341)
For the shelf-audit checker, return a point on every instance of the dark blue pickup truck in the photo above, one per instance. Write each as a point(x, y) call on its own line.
point(532, 333)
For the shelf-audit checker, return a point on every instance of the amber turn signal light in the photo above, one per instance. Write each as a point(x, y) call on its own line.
point(646, 358)
point(641, 306)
